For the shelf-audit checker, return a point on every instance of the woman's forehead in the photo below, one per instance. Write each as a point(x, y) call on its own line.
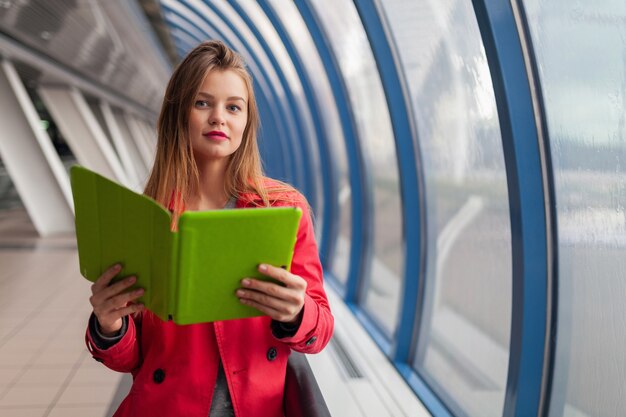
point(224, 84)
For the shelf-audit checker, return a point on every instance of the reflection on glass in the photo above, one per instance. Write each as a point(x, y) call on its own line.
point(463, 345)
point(293, 23)
point(581, 54)
point(351, 46)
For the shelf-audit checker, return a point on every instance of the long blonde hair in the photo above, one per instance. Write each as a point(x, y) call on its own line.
point(174, 177)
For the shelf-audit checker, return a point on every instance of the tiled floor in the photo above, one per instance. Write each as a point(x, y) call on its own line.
point(45, 369)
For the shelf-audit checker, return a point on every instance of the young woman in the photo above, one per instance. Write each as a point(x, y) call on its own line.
point(207, 158)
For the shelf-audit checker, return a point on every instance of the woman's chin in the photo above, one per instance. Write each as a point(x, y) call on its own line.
point(211, 157)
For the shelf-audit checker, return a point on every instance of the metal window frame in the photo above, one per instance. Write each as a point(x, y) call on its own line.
point(361, 247)
point(412, 189)
point(530, 202)
point(410, 166)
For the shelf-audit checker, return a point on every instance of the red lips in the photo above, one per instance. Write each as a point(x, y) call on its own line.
point(216, 136)
point(216, 133)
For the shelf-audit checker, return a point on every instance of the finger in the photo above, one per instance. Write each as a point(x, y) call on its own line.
point(115, 289)
point(288, 306)
point(112, 304)
point(106, 277)
point(125, 311)
point(279, 274)
point(282, 275)
point(116, 314)
point(122, 300)
point(274, 314)
point(270, 288)
point(103, 294)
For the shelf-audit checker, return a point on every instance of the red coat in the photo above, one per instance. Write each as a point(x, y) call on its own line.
point(174, 367)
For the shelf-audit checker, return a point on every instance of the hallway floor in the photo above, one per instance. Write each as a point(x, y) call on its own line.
point(45, 369)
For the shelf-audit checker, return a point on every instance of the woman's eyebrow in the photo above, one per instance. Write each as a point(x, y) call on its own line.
point(207, 95)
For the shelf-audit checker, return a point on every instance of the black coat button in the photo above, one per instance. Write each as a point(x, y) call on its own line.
point(311, 341)
point(271, 354)
point(158, 376)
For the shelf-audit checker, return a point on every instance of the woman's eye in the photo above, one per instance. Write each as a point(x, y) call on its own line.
point(234, 108)
point(202, 103)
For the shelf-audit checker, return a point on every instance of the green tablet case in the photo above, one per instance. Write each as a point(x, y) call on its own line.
point(189, 276)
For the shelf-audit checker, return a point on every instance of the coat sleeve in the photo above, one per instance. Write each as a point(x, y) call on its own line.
point(316, 327)
point(123, 356)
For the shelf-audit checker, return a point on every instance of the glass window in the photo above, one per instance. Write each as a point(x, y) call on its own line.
point(463, 345)
point(294, 24)
point(381, 290)
point(580, 51)
point(269, 34)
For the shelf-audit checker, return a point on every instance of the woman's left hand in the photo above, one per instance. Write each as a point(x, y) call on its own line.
point(281, 303)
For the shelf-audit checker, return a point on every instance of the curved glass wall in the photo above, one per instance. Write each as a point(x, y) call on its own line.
point(580, 50)
point(264, 26)
point(293, 23)
point(463, 345)
point(381, 290)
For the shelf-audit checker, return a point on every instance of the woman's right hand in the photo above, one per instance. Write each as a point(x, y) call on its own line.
point(110, 302)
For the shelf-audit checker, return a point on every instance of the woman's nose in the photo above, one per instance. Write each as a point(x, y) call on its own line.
point(216, 117)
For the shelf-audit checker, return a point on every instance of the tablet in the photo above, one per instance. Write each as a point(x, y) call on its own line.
point(189, 276)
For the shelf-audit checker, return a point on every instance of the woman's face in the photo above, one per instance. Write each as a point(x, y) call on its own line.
point(218, 116)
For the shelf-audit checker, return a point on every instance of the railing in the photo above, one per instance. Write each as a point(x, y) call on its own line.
point(303, 397)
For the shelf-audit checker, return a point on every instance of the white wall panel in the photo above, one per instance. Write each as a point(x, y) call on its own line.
point(127, 158)
point(141, 166)
point(147, 149)
point(31, 160)
point(82, 132)
point(150, 131)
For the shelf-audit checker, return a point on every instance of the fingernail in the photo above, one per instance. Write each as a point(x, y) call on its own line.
point(245, 282)
point(262, 267)
point(139, 291)
point(132, 279)
point(240, 293)
point(118, 267)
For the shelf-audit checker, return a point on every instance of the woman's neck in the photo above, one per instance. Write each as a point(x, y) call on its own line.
point(211, 194)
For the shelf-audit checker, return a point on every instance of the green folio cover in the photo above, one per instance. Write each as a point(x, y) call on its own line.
point(189, 276)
